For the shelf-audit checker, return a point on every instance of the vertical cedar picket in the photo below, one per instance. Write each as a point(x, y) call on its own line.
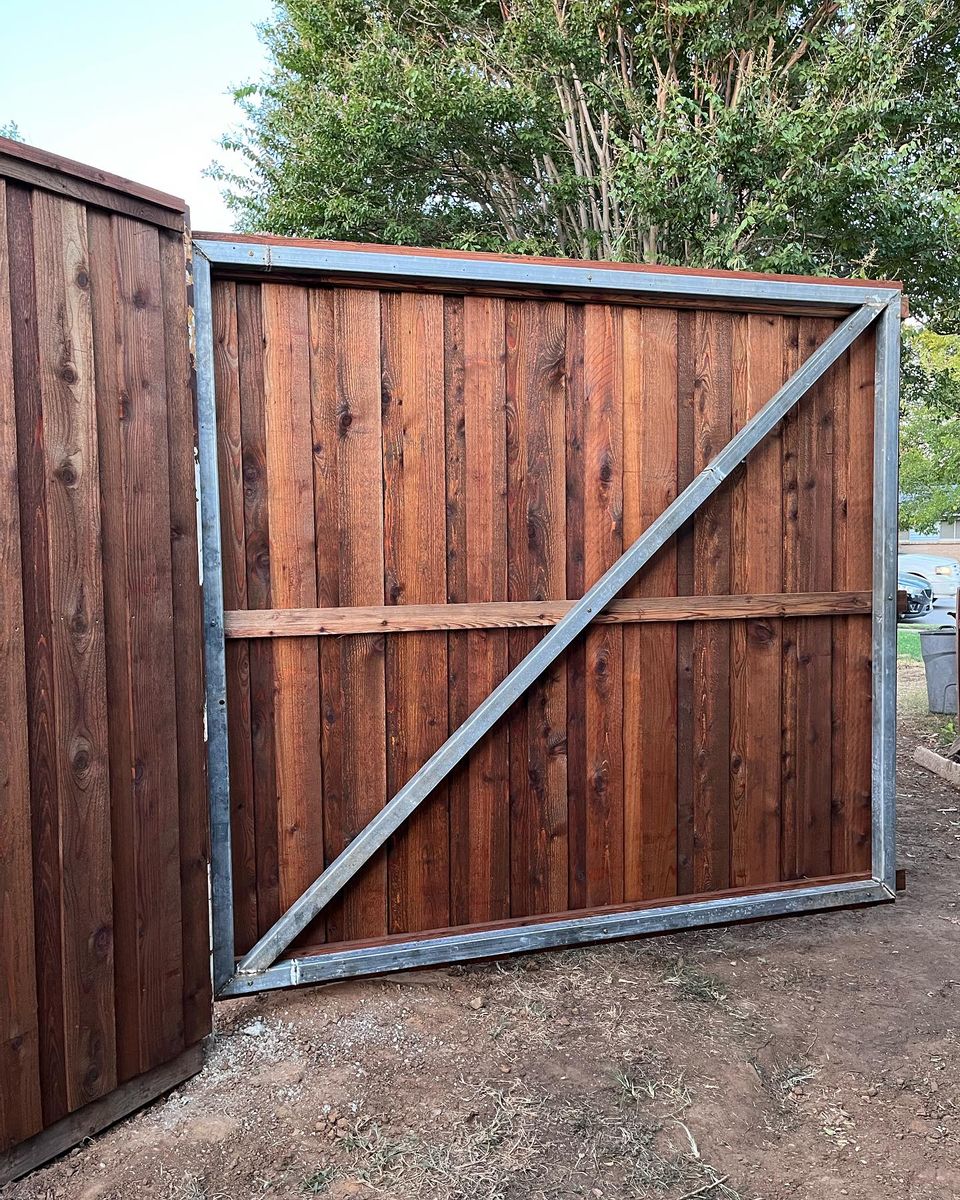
point(20, 1096)
point(415, 572)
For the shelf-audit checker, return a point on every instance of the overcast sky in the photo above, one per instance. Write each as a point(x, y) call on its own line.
point(137, 89)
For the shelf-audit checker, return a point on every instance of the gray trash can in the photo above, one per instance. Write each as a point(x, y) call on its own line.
point(939, 650)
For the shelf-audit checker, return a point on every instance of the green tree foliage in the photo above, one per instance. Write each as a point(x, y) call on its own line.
point(811, 137)
point(930, 430)
point(11, 130)
point(814, 137)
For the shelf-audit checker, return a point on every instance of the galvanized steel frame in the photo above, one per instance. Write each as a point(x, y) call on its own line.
point(259, 970)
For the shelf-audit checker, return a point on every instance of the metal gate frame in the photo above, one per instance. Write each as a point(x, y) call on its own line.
point(259, 970)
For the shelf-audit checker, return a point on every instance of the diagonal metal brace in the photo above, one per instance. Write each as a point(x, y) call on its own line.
point(436, 769)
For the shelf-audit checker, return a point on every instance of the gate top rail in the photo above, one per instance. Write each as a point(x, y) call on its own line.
point(667, 284)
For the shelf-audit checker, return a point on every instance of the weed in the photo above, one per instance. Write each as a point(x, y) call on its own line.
point(691, 982)
point(317, 1183)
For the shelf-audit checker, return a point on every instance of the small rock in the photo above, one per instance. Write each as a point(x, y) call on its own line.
point(477, 1002)
point(255, 1028)
point(505, 1068)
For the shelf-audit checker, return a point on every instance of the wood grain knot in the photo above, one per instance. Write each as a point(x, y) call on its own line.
point(66, 473)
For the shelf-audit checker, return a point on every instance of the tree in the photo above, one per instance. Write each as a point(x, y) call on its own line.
point(11, 130)
point(810, 137)
point(930, 430)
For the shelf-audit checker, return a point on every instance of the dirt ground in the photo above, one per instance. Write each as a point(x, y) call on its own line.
point(815, 1057)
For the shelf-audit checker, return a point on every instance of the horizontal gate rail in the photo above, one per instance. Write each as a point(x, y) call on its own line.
point(519, 614)
point(315, 898)
point(449, 269)
point(461, 946)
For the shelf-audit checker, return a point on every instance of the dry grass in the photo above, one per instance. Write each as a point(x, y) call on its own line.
point(514, 1132)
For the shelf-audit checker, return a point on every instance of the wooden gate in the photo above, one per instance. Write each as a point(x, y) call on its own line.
point(105, 989)
point(421, 461)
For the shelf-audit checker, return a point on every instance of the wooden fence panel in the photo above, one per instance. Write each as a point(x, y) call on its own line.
point(497, 450)
point(20, 1096)
point(103, 868)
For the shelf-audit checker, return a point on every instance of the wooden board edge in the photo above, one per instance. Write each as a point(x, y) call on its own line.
point(85, 191)
point(267, 239)
point(944, 767)
point(316, 622)
point(24, 152)
point(97, 1116)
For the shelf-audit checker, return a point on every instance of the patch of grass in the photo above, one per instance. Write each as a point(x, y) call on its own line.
point(692, 982)
point(317, 1183)
point(908, 644)
point(641, 1082)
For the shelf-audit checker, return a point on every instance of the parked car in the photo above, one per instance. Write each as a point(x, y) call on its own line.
point(919, 597)
point(943, 574)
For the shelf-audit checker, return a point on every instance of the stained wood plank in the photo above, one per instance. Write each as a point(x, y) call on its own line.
point(755, 652)
point(326, 431)
point(458, 659)
point(650, 654)
point(853, 562)
point(711, 643)
point(256, 523)
point(20, 1105)
point(576, 656)
point(123, 826)
point(233, 549)
point(789, 812)
point(76, 593)
point(517, 614)
point(188, 643)
point(415, 572)
point(807, 670)
point(686, 390)
point(487, 652)
point(293, 581)
point(152, 791)
point(535, 350)
point(603, 545)
point(40, 713)
point(349, 322)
